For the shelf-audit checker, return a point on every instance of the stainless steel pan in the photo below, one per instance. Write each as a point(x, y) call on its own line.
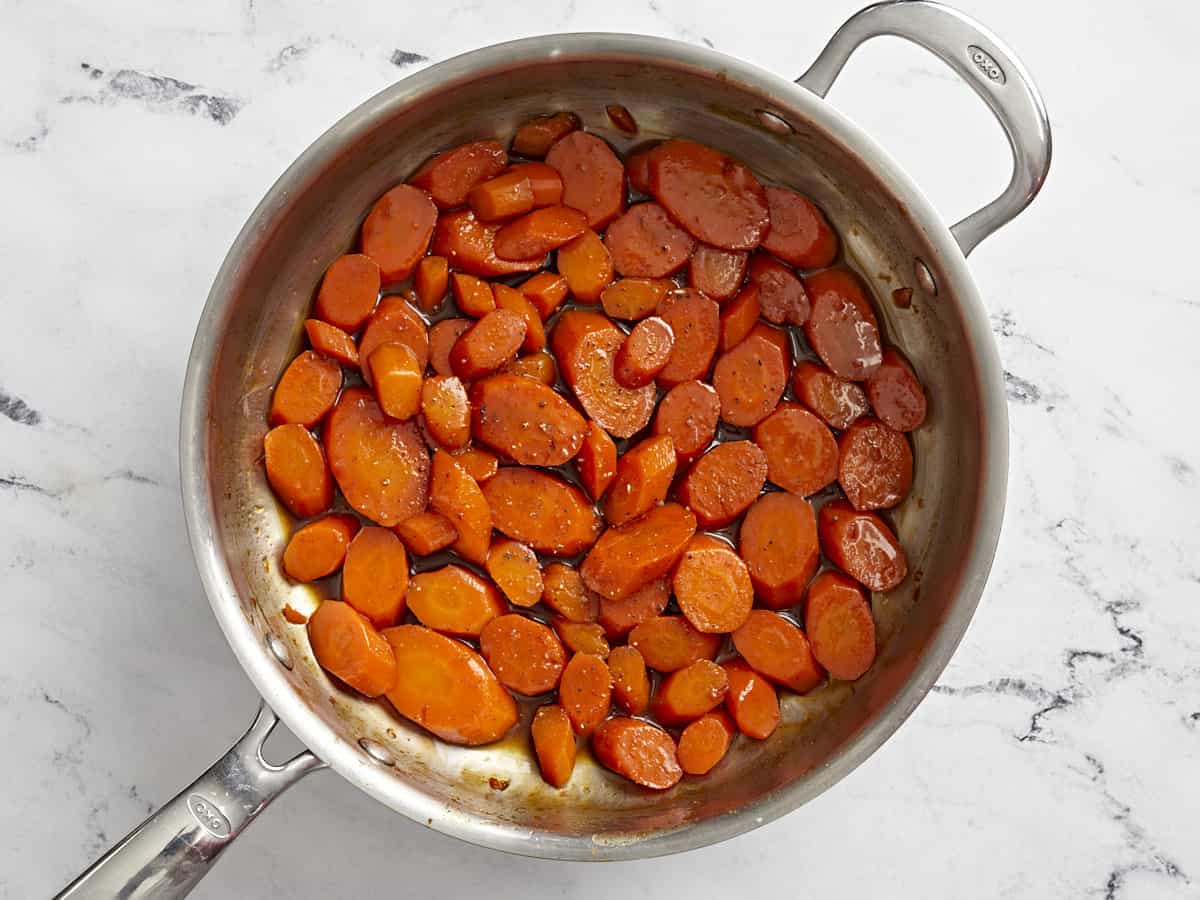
point(250, 330)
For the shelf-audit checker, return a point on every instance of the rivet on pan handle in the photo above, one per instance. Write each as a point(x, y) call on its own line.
point(986, 64)
point(167, 855)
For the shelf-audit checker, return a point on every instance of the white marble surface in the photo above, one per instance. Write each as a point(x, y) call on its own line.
point(1058, 756)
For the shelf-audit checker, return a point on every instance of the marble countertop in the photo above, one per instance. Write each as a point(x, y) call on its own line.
point(1057, 756)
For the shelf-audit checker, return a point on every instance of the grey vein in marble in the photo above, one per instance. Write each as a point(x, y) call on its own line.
point(157, 92)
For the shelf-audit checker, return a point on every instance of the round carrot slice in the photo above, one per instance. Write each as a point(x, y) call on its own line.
point(296, 470)
point(861, 545)
point(526, 656)
point(348, 292)
point(546, 291)
point(525, 420)
point(480, 464)
point(619, 617)
point(473, 296)
point(449, 176)
point(689, 413)
point(776, 648)
point(554, 744)
point(876, 465)
point(645, 243)
point(705, 742)
point(644, 354)
point(397, 231)
point(739, 318)
point(842, 328)
point(537, 233)
point(629, 556)
point(582, 637)
point(749, 379)
point(306, 391)
point(541, 510)
point(585, 692)
point(514, 301)
point(427, 532)
point(446, 411)
point(637, 170)
point(717, 199)
point(839, 402)
point(840, 626)
point(319, 548)
point(539, 366)
point(895, 393)
point(455, 601)
point(442, 337)
point(716, 272)
point(447, 688)
point(722, 483)
point(670, 643)
point(396, 374)
point(800, 234)
point(394, 322)
point(470, 246)
point(593, 177)
point(696, 323)
point(631, 684)
point(690, 692)
point(431, 281)
point(535, 137)
point(751, 701)
point(778, 541)
point(596, 461)
point(375, 576)
point(781, 296)
point(457, 496)
point(586, 265)
point(802, 455)
point(488, 345)
point(329, 341)
point(346, 646)
point(634, 298)
point(544, 181)
point(778, 338)
point(508, 194)
point(712, 586)
point(566, 594)
point(641, 752)
point(644, 475)
point(514, 568)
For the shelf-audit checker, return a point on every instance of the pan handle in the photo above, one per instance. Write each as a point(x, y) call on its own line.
point(168, 854)
point(986, 64)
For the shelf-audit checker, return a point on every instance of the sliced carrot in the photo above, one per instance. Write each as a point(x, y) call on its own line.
point(537, 233)
point(431, 281)
point(488, 345)
point(525, 420)
point(875, 465)
point(621, 118)
point(778, 541)
point(842, 327)
point(541, 510)
point(397, 231)
point(619, 617)
point(585, 692)
point(634, 298)
point(670, 643)
point(296, 470)
point(641, 752)
point(539, 366)
point(514, 301)
point(840, 626)
point(690, 692)
point(442, 337)
point(596, 461)
point(306, 391)
point(469, 246)
point(695, 320)
point(427, 532)
point(446, 411)
point(375, 576)
point(330, 341)
point(396, 375)
point(722, 483)
point(862, 545)
point(394, 322)
point(689, 414)
point(631, 684)
point(749, 379)
point(535, 137)
point(637, 170)
point(544, 181)
point(449, 176)
point(739, 317)
point(751, 700)
point(712, 586)
point(593, 177)
point(514, 568)
point(837, 401)
point(585, 344)
point(566, 594)
point(705, 742)
point(526, 656)
point(778, 337)
point(554, 744)
point(479, 463)
point(800, 234)
point(319, 548)
point(776, 648)
point(507, 195)
point(582, 637)
point(455, 601)
point(347, 646)
point(546, 291)
point(781, 295)
point(348, 292)
point(645, 243)
point(802, 455)
point(644, 475)
point(472, 295)
point(716, 272)
point(586, 265)
point(457, 496)
point(645, 353)
point(629, 556)
point(895, 393)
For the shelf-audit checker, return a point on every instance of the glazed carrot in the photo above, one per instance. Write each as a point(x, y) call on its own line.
point(446, 411)
point(634, 298)
point(586, 265)
point(488, 345)
point(457, 496)
point(293, 616)
point(329, 341)
point(895, 393)
point(593, 177)
point(670, 643)
point(862, 545)
point(514, 301)
point(722, 483)
point(644, 475)
point(566, 594)
point(875, 466)
point(503, 197)
point(637, 170)
point(585, 692)
point(535, 137)
point(396, 375)
point(629, 556)
point(375, 576)
point(585, 344)
point(800, 234)
point(631, 684)
point(394, 322)
point(455, 601)
point(645, 243)
point(554, 744)
point(397, 231)
point(582, 637)
point(348, 292)
point(537, 233)
point(644, 353)
point(712, 586)
point(778, 337)
point(431, 281)
point(514, 568)
point(716, 272)
point(442, 337)
point(619, 617)
point(695, 320)
point(347, 646)
point(381, 466)
point(319, 548)
point(842, 328)
point(837, 401)
point(525, 420)
point(777, 649)
point(427, 532)
point(749, 379)
point(596, 462)
point(781, 295)
point(446, 687)
point(705, 742)
point(778, 541)
point(546, 291)
point(739, 317)
point(621, 118)
point(306, 391)
point(296, 470)
point(539, 366)
point(469, 246)
point(802, 455)
point(689, 413)
point(643, 753)
point(525, 655)
point(840, 627)
point(449, 176)
point(541, 510)
point(690, 692)
point(472, 295)
point(479, 463)
point(751, 700)
point(544, 181)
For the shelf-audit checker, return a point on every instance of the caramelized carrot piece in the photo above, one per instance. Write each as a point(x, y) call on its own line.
point(621, 118)
point(862, 545)
point(895, 393)
point(842, 327)
point(431, 281)
point(469, 246)
point(472, 295)
point(695, 320)
point(375, 576)
point(637, 170)
point(442, 337)
point(348, 292)
point(875, 465)
point(449, 176)
point(541, 510)
point(488, 345)
point(525, 420)
point(644, 475)
point(582, 637)
point(526, 656)
point(722, 483)
point(634, 298)
point(396, 374)
point(778, 337)
point(329, 341)
point(306, 391)
point(455, 601)
point(712, 586)
point(546, 291)
point(457, 496)
point(689, 413)
point(514, 301)
point(554, 744)
point(705, 742)
point(539, 366)
point(507, 195)
point(296, 470)
point(631, 684)
point(394, 322)
point(535, 137)
point(776, 648)
point(397, 231)
point(348, 647)
point(690, 692)
point(751, 700)
point(619, 617)
point(537, 233)
point(802, 455)
point(739, 317)
point(800, 234)
point(585, 692)
point(643, 753)
point(670, 643)
point(544, 181)
point(586, 265)
point(781, 295)
point(427, 533)
point(480, 464)
point(626, 557)
point(778, 541)
point(838, 402)
point(593, 177)
point(446, 411)
point(840, 626)
point(514, 568)
point(585, 344)
point(717, 273)
point(566, 594)
point(644, 354)
point(319, 548)
point(749, 379)
point(596, 461)
point(645, 243)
